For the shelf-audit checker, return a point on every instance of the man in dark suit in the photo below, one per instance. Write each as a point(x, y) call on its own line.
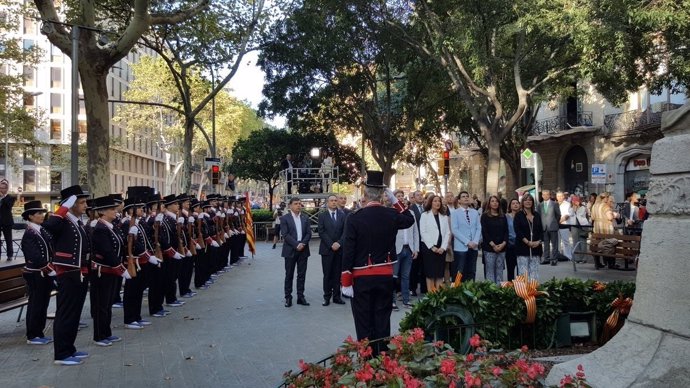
point(342, 201)
point(550, 217)
point(287, 165)
point(6, 219)
point(296, 232)
point(331, 226)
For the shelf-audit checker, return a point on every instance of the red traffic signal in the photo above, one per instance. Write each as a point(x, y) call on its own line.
point(446, 155)
point(215, 174)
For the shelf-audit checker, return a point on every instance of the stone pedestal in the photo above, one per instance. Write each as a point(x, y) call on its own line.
point(653, 347)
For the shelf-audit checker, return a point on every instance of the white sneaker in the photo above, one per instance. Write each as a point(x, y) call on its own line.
point(133, 326)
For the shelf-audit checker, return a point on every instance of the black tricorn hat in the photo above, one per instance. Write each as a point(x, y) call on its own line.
point(89, 204)
point(194, 202)
point(170, 199)
point(213, 196)
point(205, 204)
point(117, 197)
point(183, 197)
point(104, 202)
point(72, 190)
point(232, 198)
point(133, 202)
point(32, 207)
point(153, 199)
point(375, 179)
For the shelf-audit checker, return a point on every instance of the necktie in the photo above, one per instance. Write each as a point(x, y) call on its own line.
point(333, 216)
point(467, 215)
point(546, 205)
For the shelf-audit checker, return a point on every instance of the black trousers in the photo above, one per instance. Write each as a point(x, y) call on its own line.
point(70, 301)
point(38, 289)
point(7, 235)
point(332, 268)
point(242, 243)
point(185, 278)
point(235, 249)
point(171, 270)
point(102, 289)
point(417, 275)
point(200, 261)
point(154, 276)
point(299, 260)
point(117, 298)
point(134, 295)
point(371, 308)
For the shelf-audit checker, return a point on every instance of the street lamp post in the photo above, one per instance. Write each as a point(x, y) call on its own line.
point(74, 164)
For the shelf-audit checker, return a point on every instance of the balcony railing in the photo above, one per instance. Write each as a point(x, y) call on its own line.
point(553, 125)
point(635, 121)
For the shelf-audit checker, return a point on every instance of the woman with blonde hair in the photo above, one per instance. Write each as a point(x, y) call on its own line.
point(604, 218)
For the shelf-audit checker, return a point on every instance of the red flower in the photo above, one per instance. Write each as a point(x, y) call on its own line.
point(580, 372)
point(497, 371)
point(303, 365)
point(566, 381)
point(447, 366)
point(475, 341)
point(469, 357)
point(365, 352)
point(365, 374)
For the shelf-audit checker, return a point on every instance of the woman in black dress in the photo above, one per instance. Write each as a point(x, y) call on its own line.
point(435, 234)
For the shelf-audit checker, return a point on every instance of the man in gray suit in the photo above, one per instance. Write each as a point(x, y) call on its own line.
point(550, 217)
point(331, 226)
point(296, 232)
point(407, 250)
point(417, 276)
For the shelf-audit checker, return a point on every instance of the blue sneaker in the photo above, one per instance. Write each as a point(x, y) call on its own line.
point(167, 312)
point(159, 314)
point(118, 305)
point(69, 361)
point(80, 355)
point(114, 338)
point(103, 342)
point(176, 303)
point(144, 322)
point(49, 339)
point(38, 341)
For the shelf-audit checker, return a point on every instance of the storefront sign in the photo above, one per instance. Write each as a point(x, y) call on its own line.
point(598, 174)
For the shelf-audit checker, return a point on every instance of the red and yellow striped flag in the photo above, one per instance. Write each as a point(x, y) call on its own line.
point(249, 225)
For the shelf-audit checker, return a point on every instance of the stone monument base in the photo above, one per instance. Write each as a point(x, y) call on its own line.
point(638, 356)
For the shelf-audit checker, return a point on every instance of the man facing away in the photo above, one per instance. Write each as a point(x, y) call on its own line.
point(6, 220)
point(368, 259)
point(294, 226)
point(550, 216)
point(331, 227)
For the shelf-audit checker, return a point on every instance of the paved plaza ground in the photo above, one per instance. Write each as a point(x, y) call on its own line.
point(236, 334)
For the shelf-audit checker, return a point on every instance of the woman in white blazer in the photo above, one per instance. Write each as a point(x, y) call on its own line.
point(435, 234)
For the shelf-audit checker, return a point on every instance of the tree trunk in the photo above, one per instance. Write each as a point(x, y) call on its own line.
point(493, 162)
point(187, 156)
point(270, 196)
point(98, 128)
point(514, 173)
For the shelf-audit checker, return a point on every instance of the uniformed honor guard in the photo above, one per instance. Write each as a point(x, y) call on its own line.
point(200, 244)
point(243, 226)
point(38, 272)
point(106, 268)
point(117, 197)
point(139, 257)
point(170, 245)
point(155, 274)
point(209, 234)
point(368, 257)
point(71, 260)
point(185, 222)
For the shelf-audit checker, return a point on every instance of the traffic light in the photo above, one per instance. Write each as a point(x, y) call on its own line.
point(446, 163)
point(215, 174)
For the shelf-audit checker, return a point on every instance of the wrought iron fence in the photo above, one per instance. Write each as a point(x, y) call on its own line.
point(553, 125)
point(636, 120)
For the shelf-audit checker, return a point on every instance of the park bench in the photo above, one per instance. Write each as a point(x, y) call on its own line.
point(627, 249)
point(13, 289)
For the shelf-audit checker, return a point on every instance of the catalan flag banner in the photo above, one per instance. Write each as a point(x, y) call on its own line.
point(249, 225)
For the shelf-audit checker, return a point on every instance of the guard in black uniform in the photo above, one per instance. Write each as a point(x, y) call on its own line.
point(368, 258)
point(154, 275)
point(38, 272)
point(170, 246)
point(185, 222)
point(71, 260)
point(106, 268)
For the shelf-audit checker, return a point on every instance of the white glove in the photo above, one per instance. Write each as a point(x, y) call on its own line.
point(177, 256)
point(391, 197)
point(52, 273)
point(159, 217)
point(180, 220)
point(70, 201)
point(214, 243)
point(226, 235)
point(154, 260)
point(348, 291)
point(188, 254)
point(126, 275)
point(197, 246)
point(134, 230)
point(190, 220)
